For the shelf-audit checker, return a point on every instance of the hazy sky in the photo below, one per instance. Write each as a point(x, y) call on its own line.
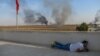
point(82, 10)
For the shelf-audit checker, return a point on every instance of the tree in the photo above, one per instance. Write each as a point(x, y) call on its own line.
point(82, 27)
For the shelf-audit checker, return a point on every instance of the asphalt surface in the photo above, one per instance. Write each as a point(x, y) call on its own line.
point(18, 49)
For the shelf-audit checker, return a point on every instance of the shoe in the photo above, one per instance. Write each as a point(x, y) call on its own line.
point(53, 44)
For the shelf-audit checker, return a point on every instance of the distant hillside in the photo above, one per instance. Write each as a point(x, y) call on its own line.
point(38, 28)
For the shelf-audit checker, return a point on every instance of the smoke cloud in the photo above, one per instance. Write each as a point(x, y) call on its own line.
point(97, 17)
point(29, 16)
point(42, 19)
point(61, 10)
point(32, 17)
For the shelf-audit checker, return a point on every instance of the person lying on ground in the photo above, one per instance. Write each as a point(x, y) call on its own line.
point(75, 47)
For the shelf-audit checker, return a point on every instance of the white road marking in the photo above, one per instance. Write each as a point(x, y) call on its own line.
point(20, 44)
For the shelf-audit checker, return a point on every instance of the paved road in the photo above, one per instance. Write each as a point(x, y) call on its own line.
point(16, 49)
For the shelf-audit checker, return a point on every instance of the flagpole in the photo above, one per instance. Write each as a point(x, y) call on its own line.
point(17, 8)
point(16, 21)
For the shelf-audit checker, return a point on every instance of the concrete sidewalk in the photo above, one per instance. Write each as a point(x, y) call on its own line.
point(46, 38)
point(15, 49)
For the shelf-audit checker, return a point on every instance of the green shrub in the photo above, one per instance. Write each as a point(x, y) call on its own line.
point(82, 27)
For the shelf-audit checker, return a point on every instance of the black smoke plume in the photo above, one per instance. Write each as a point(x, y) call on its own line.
point(32, 17)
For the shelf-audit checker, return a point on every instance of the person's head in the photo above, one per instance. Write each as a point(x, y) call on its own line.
point(85, 43)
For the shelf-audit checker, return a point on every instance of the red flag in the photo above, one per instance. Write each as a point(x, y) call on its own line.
point(17, 6)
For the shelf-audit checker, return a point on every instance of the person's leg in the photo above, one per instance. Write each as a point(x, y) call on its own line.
point(63, 47)
point(67, 46)
point(59, 46)
point(58, 43)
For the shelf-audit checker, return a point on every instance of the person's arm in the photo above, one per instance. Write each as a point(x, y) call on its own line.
point(83, 50)
point(79, 50)
point(86, 50)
